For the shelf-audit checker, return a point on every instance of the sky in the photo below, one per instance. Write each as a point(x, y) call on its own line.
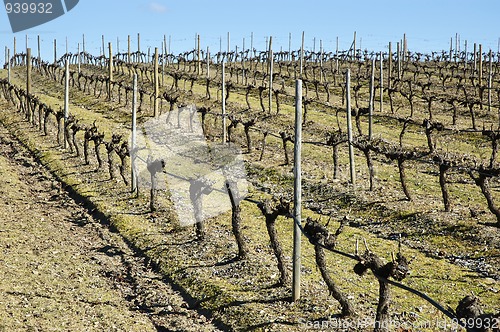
point(428, 24)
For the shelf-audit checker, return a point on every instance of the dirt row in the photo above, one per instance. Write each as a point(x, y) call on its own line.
point(61, 270)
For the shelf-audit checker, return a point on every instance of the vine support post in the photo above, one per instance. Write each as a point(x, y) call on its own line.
point(302, 56)
point(398, 49)
point(110, 70)
point(83, 47)
point(128, 49)
point(155, 95)
point(475, 57)
point(297, 194)
point(490, 77)
point(480, 64)
point(370, 107)
point(28, 82)
point(66, 100)
point(389, 69)
point(79, 59)
point(270, 73)
point(134, 136)
point(223, 96)
point(138, 43)
point(39, 50)
point(14, 49)
point(198, 57)
point(8, 65)
point(381, 82)
point(55, 51)
point(349, 126)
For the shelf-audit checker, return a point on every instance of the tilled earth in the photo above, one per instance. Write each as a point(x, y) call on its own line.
point(61, 270)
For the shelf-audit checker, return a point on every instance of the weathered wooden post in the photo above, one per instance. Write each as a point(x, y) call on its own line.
point(349, 126)
point(270, 55)
point(103, 46)
point(39, 50)
point(372, 95)
point(389, 75)
point(208, 62)
point(302, 56)
point(133, 147)
point(66, 101)
point(110, 71)
point(381, 82)
point(138, 43)
point(223, 93)
point(354, 47)
point(480, 64)
point(79, 59)
point(398, 50)
point(156, 92)
point(490, 77)
point(28, 83)
point(198, 58)
point(55, 51)
point(83, 49)
point(14, 49)
point(475, 57)
point(8, 65)
point(128, 49)
point(297, 193)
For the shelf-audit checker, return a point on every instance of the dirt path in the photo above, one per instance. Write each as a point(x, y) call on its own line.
point(62, 271)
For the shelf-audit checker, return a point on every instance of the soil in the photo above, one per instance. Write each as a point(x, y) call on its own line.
point(61, 270)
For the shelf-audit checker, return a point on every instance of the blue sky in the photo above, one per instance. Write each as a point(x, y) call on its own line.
point(428, 24)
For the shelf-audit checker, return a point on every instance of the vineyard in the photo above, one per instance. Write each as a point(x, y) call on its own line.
point(415, 181)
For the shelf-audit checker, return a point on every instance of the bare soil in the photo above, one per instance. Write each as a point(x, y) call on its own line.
point(61, 270)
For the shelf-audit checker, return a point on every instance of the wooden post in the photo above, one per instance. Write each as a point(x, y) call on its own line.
point(138, 42)
point(155, 111)
point(354, 47)
point(228, 43)
point(14, 54)
point(199, 55)
point(270, 55)
point(79, 58)
point(389, 75)
point(128, 49)
point(381, 82)
point(289, 46)
point(39, 49)
point(208, 62)
point(399, 59)
point(110, 70)
point(372, 95)
point(490, 77)
point(66, 100)
point(223, 94)
point(475, 57)
point(163, 59)
point(349, 127)
point(55, 51)
point(83, 48)
point(67, 50)
point(28, 82)
point(302, 56)
point(480, 64)
point(103, 46)
point(321, 61)
point(8, 65)
point(297, 193)
point(405, 48)
point(134, 134)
